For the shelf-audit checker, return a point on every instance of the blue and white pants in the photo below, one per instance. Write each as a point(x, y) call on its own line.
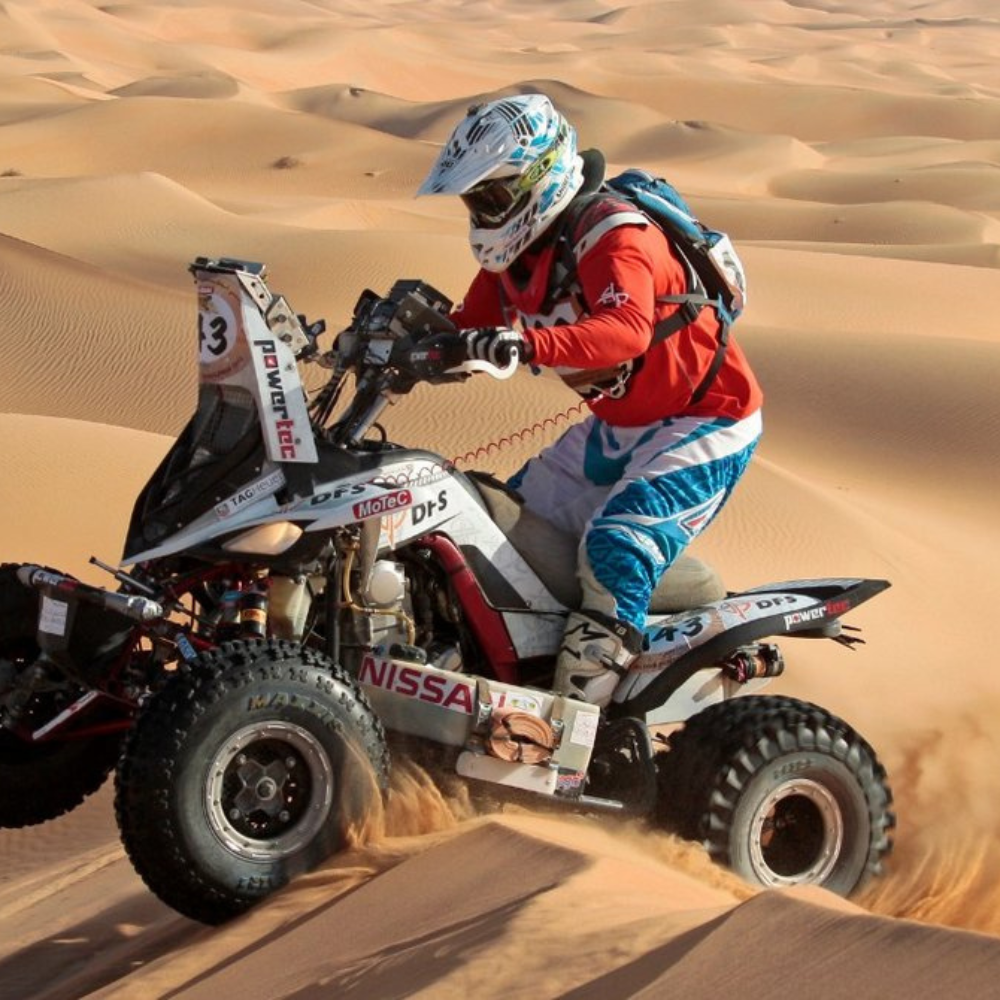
point(636, 496)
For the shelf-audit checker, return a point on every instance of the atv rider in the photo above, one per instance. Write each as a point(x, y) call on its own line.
point(649, 468)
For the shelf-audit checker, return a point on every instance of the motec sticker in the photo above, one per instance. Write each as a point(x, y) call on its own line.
point(385, 503)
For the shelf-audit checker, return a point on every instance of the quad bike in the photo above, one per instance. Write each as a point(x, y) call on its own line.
point(296, 591)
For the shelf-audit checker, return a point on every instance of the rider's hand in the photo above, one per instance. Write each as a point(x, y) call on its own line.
point(496, 344)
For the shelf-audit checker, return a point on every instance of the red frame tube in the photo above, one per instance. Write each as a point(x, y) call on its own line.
point(485, 621)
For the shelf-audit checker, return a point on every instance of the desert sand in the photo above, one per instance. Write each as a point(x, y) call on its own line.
point(850, 147)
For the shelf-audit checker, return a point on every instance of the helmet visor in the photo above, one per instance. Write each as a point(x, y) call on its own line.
point(492, 202)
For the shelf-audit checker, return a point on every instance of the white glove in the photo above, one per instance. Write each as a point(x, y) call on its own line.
point(495, 344)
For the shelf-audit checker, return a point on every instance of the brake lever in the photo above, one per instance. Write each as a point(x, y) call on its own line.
point(470, 367)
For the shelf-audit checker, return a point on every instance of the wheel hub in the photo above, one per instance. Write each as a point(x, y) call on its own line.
point(269, 789)
point(796, 835)
point(262, 787)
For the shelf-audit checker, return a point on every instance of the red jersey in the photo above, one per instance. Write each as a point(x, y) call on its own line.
point(599, 330)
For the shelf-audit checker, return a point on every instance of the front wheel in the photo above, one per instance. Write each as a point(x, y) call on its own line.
point(780, 791)
point(247, 769)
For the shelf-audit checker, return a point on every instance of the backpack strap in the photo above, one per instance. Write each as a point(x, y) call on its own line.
point(564, 260)
point(720, 356)
point(691, 303)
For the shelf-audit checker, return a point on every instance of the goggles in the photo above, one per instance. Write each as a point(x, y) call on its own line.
point(493, 201)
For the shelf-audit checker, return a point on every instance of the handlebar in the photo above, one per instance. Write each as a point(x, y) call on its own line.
point(393, 343)
point(409, 336)
point(134, 606)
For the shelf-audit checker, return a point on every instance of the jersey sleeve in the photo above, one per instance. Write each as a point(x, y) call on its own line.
point(482, 305)
point(618, 276)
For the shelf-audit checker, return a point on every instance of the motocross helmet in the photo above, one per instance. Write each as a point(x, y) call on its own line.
point(515, 165)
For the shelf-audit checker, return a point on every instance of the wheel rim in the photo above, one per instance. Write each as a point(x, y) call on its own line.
point(796, 835)
point(269, 790)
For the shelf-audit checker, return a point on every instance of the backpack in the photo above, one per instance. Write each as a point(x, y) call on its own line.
point(716, 278)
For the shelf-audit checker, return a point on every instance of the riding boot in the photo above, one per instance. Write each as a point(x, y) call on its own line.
point(595, 653)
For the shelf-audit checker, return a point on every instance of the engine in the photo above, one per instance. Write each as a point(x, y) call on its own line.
point(403, 609)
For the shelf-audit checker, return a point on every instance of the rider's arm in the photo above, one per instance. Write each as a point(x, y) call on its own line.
point(482, 305)
point(621, 277)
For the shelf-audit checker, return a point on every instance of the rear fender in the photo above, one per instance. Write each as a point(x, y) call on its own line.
point(676, 646)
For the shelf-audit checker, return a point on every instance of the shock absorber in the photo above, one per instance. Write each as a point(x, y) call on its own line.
point(751, 662)
point(253, 611)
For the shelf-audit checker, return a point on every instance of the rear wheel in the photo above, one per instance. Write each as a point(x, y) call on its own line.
point(39, 781)
point(780, 791)
point(249, 768)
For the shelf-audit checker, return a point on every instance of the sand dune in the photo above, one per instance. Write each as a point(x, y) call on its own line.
point(962, 185)
point(852, 150)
